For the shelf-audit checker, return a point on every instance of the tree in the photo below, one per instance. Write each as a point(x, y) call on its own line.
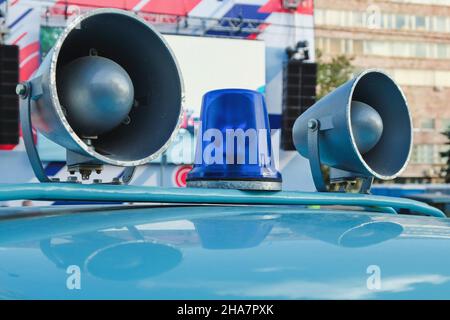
point(446, 154)
point(332, 73)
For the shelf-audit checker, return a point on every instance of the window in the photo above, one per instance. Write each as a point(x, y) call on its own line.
point(320, 43)
point(332, 17)
point(427, 124)
point(385, 48)
point(420, 50)
point(358, 47)
point(363, 19)
point(440, 24)
point(345, 18)
point(347, 46)
point(445, 124)
point(437, 2)
point(335, 46)
point(441, 51)
point(407, 49)
point(400, 22)
point(426, 154)
point(420, 23)
point(318, 16)
point(400, 49)
point(358, 19)
point(380, 48)
point(386, 21)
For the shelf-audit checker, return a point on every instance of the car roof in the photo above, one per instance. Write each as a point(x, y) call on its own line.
point(198, 251)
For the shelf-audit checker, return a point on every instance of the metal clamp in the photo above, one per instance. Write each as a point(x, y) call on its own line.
point(314, 128)
point(24, 90)
point(314, 155)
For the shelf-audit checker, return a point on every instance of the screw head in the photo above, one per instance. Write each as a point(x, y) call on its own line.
point(312, 124)
point(21, 90)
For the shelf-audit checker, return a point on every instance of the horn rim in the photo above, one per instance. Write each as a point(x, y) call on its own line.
point(57, 105)
point(349, 126)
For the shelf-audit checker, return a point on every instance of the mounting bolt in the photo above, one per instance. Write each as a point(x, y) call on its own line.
point(85, 174)
point(313, 124)
point(127, 120)
point(21, 90)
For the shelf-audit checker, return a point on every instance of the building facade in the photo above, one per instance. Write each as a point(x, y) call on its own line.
point(410, 39)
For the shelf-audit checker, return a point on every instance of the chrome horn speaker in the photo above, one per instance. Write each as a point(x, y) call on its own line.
point(110, 92)
point(361, 130)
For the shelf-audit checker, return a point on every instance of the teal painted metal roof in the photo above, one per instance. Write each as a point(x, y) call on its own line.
point(221, 252)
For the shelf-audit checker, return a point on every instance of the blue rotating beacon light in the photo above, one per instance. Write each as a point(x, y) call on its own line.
point(234, 149)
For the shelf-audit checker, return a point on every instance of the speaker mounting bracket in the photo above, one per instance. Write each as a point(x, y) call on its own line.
point(314, 155)
point(343, 177)
point(24, 90)
point(26, 94)
point(336, 175)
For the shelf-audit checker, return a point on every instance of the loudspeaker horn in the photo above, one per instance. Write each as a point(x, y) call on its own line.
point(110, 91)
point(362, 129)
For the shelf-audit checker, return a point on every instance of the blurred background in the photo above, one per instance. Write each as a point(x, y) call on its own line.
point(294, 51)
